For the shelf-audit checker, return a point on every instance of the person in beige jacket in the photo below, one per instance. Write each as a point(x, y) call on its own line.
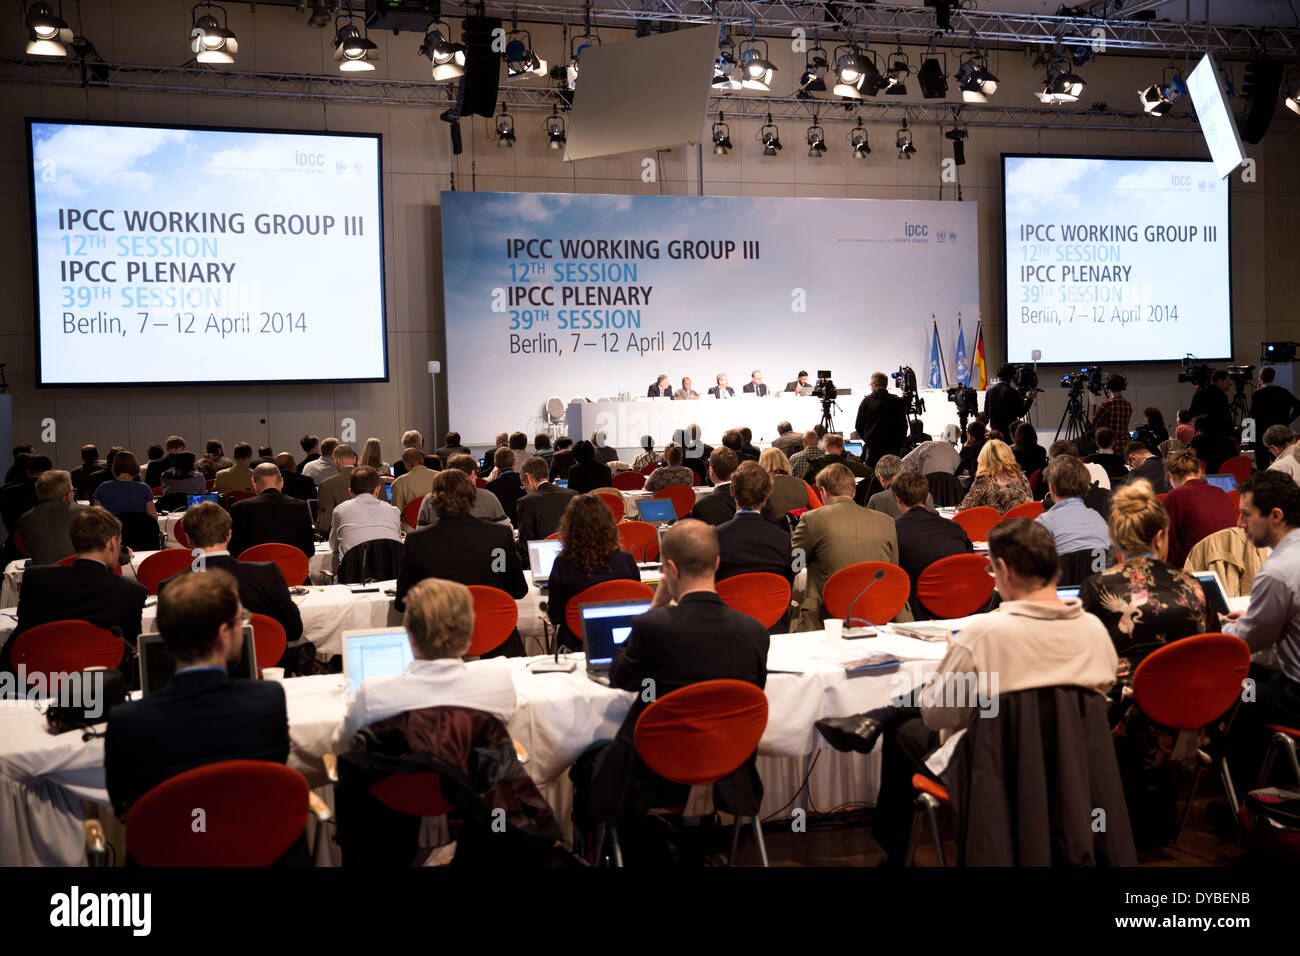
point(838, 534)
point(414, 483)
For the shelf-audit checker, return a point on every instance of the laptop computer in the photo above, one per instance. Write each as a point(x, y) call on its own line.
point(1066, 594)
point(388, 493)
point(541, 555)
point(854, 448)
point(376, 652)
point(606, 626)
point(1212, 585)
point(192, 500)
point(657, 510)
point(1224, 482)
point(804, 391)
point(561, 482)
point(157, 666)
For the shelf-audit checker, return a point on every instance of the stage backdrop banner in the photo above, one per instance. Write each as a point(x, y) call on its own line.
point(552, 295)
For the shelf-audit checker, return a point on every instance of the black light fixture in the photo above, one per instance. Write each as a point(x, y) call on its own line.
point(858, 140)
point(521, 62)
point(813, 78)
point(934, 84)
point(756, 68)
point(721, 137)
point(576, 47)
point(903, 142)
point(977, 84)
point(505, 128)
point(353, 48)
point(856, 73)
point(211, 40)
point(448, 58)
point(900, 68)
point(724, 67)
point(770, 137)
point(1158, 98)
point(957, 137)
point(816, 138)
point(1061, 84)
point(555, 134)
point(47, 32)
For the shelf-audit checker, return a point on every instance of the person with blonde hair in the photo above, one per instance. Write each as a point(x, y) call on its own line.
point(788, 492)
point(998, 481)
point(1196, 508)
point(372, 456)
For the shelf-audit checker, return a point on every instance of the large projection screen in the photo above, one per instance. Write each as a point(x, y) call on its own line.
point(1115, 260)
point(187, 255)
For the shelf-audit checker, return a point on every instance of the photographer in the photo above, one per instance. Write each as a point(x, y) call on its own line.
point(1212, 401)
point(1115, 412)
point(1004, 403)
point(1270, 405)
point(882, 421)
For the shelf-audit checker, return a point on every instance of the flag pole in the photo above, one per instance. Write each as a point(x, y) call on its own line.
point(943, 366)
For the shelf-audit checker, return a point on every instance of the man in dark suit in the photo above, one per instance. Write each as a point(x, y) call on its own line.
point(293, 483)
point(451, 446)
point(923, 536)
point(460, 547)
point(89, 590)
point(719, 505)
point(722, 389)
point(1146, 467)
point(506, 485)
point(588, 474)
point(202, 716)
point(334, 490)
point(561, 458)
point(413, 439)
point(673, 646)
point(1003, 403)
point(881, 421)
point(271, 516)
point(1270, 405)
point(154, 470)
point(801, 381)
point(310, 450)
point(538, 513)
point(44, 529)
point(19, 496)
point(662, 388)
point(747, 450)
point(261, 585)
point(91, 474)
point(749, 542)
point(755, 384)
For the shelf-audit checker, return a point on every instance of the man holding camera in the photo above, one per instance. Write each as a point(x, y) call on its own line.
point(881, 421)
point(1115, 413)
point(1212, 401)
point(1004, 403)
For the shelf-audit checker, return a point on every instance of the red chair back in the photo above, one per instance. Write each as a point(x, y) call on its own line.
point(879, 604)
point(639, 537)
point(619, 590)
point(1191, 682)
point(814, 499)
point(411, 513)
point(62, 647)
point(1238, 466)
point(614, 503)
point(762, 595)
point(553, 537)
point(293, 564)
point(695, 479)
point(628, 481)
point(71, 559)
point(161, 565)
point(683, 498)
point(495, 617)
point(1030, 510)
point(977, 522)
point(1235, 495)
point(1034, 481)
point(417, 794)
point(648, 470)
point(253, 811)
point(480, 482)
point(269, 640)
point(955, 586)
point(18, 543)
point(211, 485)
point(157, 491)
point(1162, 496)
point(178, 531)
point(700, 733)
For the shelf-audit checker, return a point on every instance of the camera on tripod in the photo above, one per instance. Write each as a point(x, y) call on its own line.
point(965, 398)
point(905, 379)
point(1198, 373)
point(1093, 379)
point(1241, 375)
point(825, 388)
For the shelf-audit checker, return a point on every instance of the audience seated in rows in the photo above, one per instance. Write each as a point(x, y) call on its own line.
point(45, 528)
point(539, 512)
point(159, 463)
point(589, 554)
point(998, 481)
point(239, 476)
point(125, 493)
point(506, 483)
point(923, 535)
point(321, 467)
point(413, 484)
point(214, 460)
point(365, 516)
point(271, 516)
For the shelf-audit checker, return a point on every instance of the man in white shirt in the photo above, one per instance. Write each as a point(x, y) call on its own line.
point(439, 620)
point(323, 467)
point(365, 516)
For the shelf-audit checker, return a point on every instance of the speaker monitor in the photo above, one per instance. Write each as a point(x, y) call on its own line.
point(477, 93)
point(1260, 87)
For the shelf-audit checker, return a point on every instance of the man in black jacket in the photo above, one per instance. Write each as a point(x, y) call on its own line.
point(1003, 403)
point(507, 485)
point(451, 446)
point(749, 542)
point(93, 472)
point(923, 535)
point(1270, 405)
point(202, 716)
point(538, 513)
point(89, 590)
point(271, 516)
point(881, 421)
point(1145, 466)
point(1212, 402)
point(19, 496)
point(719, 505)
point(261, 585)
point(294, 483)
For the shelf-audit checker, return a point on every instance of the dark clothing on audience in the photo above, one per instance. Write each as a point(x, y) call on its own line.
point(538, 514)
point(561, 462)
point(588, 477)
point(970, 453)
point(1212, 402)
point(1097, 498)
point(606, 453)
point(271, 516)
point(465, 549)
point(430, 462)
point(1214, 450)
point(261, 591)
point(717, 507)
point(923, 538)
point(87, 478)
point(748, 452)
point(882, 424)
point(748, 542)
point(307, 461)
point(904, 745)
point(1273, 405)
point(124, 497)
point(1003, 405)
point(1030, 459)
point(1152, 471)
point(45, 530)
point(1196, 509)
point(1111, 462)
point(446, 451)
point(567, 579)
point(153, 471)
point(509, 488)
point(698, 463)
point(16, 499)
point(298, 486)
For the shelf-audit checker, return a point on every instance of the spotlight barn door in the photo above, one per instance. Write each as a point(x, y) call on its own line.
point(1260, 89)
point(477, 94)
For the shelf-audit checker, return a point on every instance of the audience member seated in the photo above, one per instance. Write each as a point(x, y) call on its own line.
point(809, 458)
point(19, 496)
point(718, 505)
point(836, 535)
point(748, 542)
point(365, 516)
point(334, 490)
point(485, 505)
point(1196, 508)
point(542, 447)
point(932, 457)
point(1284, 451)
point(45, 528)
point(672, 472)
point(214, 461)
point(590, 553)
point(1074, 526)
point(696, 450)
point(262, 589)
point(412, 439)
point(788, 492)
point(239, 476)
point(605, 453)
point(413, 484)
point(460, 547)
point(562, 458)
point(125, 493)
point(998, 481)
point(322, 467)
point(916, 436)
point(747, 450)
point(923, 535)
point(588, 474)
point(372, 456)
point(271, 516)
point(1146, 466)
point(787, 440)
point(968, 460)
point(1096, 498)
point(1212, 448)
point(507, 485)
point(486, 470)
point(182, 478)
point(1030, 455)
point(203, 715)
point(90, 474)
point(1108, 455)
point(887, 469)
point(647, 457)
point(539, 512)
point(310, 445)
point(19, 467)
point(157, 465)
point(295, 485)
point(833, 447)
point(451, 447)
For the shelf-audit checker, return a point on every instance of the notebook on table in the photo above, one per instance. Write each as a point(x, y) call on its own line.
point(375, 652)
point(606, 626)
point(157, 666)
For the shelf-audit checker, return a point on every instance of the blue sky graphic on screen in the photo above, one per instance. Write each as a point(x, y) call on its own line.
point(565, 295)
point(1115, 260)
point(206, 255)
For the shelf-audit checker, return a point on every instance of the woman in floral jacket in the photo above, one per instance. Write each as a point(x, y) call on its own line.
point(998, 481)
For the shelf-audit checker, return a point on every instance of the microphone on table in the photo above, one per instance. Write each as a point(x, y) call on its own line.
point(870, 629)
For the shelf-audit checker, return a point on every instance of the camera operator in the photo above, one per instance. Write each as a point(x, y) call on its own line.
point(1004, 403)
point(1212, 401)
point(1115, 412)
point(882, 421)
point(1270, 405)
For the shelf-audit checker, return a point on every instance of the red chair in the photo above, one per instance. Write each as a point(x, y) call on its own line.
point(71, 559)
point(161, 565)
point(930, 796)
point(178, 531)
point(682, 497)
point(695, 479)
point(211, 485)
point(955, 586)
point(157, 491)
point(762, 595)
point(553, 537)
point(1030, 510)
point(619, 590)
point(648, 470)
point(18, 543)
point(852, 588)
point(418, 794)
point(62, 647)
point(1239, 467)
point(1235, 495)
point(701, 733)
point(411, 513)
point(639, 537)
point(628, 481)
point(269, 640)
point(480, 482)
point(814, 499)
point(615, 504)
point(1190, 684)
point(977, 522)
point(1034, 481)
point(1162, 496)
point(495, 617)
point(293, 564)
point(253, 811)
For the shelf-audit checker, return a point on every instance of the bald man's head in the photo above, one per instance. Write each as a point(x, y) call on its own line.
point(692, 546)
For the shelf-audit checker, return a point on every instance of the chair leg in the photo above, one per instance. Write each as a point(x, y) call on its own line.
point(618, 850)
point(758, 838)
point(1287, 743)
point(932, 811)
point(735, 842)
point(1229, 789)
point(909, 858)
point(1191, 797)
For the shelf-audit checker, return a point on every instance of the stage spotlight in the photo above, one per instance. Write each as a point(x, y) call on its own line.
point(957, 137)
point(555, 135)
point(1158, 98)
point(816, 139)
point(770, 137)
point(903, 142)
point(756, 69)
point(505, 124)
point(976, 82)
point(47, 33)
point(448, 58)
point(856, 74)
point(521, 62)
point(1061, 84)
point(724, 67)
point(210, 40)
point(858, 140)
point(934, 85)
point(813, 78)
point(576, 47)
point(1292, 95)
point(721, 137)
point(352, 46)
point(900, 67)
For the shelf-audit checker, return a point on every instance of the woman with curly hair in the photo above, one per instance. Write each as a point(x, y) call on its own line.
point(590, 554)
point(998, 481)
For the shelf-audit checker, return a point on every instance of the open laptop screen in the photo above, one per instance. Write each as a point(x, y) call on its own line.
point(541, 556)
point(157, 666)
point(606, 626)
point(1213, 588)
point(853, 448)
point(192, 500)
point(377, 653)
point(656, 510)
point(1225, 482)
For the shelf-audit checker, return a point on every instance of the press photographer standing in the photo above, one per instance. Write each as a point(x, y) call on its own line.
point(1212, 402)
point(1115, 412)
point(1003, 402)
point(882, 421)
